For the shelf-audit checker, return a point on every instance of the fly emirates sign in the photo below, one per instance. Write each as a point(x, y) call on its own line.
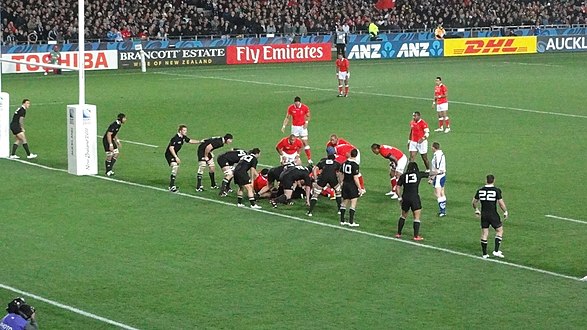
point(255, 54)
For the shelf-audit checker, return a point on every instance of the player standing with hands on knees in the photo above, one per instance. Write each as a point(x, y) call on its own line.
point(343, 74)
point(490, 197)
point(299, 114)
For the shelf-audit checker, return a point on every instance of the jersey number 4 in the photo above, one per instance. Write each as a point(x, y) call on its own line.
point(487, 195)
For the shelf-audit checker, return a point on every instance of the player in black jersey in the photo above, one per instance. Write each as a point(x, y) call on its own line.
point(293, 176)
point(490, 197)
point(326, 172)
point(17, 128)
point(351, 189)
point(206, 158)
point(172, 151)
point(409, 182)
point(112, 143)
point(245, 172)
point(227, 161)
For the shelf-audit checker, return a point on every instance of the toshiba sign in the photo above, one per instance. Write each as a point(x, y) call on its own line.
point(489, 46)
point(278, 53)
point(93, 60)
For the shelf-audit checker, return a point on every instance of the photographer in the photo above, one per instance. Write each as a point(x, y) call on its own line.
point(21, 316)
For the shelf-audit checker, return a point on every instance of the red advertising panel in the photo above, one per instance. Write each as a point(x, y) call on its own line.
point(255, 54)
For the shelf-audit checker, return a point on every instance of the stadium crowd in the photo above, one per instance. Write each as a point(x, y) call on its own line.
point(116, 20)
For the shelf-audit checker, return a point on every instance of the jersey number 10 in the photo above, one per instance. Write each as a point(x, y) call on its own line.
point(347, 169)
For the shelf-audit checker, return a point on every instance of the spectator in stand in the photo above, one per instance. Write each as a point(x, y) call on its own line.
point(246, 16)
point(125, 33)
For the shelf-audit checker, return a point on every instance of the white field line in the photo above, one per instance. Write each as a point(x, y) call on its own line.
point(67, 307)
point(317, 223)
point(187, 76)
point(533, 64)
point(137, 143)
point(566, 219)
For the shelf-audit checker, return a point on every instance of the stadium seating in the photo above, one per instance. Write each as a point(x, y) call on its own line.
point(110, 20)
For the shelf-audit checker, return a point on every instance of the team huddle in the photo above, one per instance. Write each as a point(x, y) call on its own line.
point(336, 176)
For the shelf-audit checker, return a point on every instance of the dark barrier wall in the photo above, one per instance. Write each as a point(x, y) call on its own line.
point(224, 42)
point(172, 57)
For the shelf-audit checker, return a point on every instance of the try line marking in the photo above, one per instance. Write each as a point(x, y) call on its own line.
point(187, 76)
point(137, 143)
point(317, 223)
point(66, 307)
point(566, 219)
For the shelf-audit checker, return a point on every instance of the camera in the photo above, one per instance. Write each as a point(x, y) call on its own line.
point(19, 306)
point(14, 305)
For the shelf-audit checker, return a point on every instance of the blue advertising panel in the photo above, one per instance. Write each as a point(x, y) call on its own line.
point(394, 49)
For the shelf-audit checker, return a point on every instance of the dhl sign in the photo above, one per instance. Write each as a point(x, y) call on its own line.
point(489, 46)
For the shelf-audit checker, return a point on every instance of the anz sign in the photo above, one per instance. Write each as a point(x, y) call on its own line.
point(395, 49)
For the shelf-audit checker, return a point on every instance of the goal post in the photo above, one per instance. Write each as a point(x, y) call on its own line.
point(82, 149)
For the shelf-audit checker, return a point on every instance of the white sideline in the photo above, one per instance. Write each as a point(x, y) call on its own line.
point(337, 227)
point(137, 143)
point(187, 76)
point(566, 219)
point(66, 307)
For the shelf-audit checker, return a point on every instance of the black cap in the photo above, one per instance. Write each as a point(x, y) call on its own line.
point(14, 305)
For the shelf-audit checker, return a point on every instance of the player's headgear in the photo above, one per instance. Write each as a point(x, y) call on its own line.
point(330, 150)
point(297, 99)
point(120, 116)
point(264, 171)
point(14, 305)
point(228, 136)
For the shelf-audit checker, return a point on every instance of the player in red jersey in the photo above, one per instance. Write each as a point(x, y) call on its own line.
point(343, 74)
point(261, 185)
point(289, 148)
point(441, 103)
point(418, 142)
point(342, 149)
point(299, 114)
point(397, 164)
